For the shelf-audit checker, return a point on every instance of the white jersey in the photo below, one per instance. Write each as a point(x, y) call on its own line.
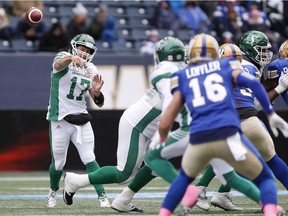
point(160, 79)
point(68, 89)
point(144, 114)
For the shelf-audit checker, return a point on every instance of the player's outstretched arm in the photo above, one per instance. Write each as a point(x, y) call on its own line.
point(62, 63)
point(276, 122)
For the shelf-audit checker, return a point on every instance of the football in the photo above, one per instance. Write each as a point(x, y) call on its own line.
point(34, 16)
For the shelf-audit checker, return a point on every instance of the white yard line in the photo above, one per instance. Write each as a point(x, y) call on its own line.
point(140, 195)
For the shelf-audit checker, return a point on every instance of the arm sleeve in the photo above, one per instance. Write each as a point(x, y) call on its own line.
point(163, 87)
point(248, 81)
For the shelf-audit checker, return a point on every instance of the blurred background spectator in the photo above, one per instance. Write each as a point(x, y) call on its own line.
point(176, 5)
point(6, 31)
point(164, 17)
point(78, 21)
point(55, 39)
point(29, 32)
point(19, 7)
point(149, 45)
point(229, 21)
point(275, 13)
point(257, 18)
point(259, 21)
point(233, 24)
point(102, 26)
point(194, 18)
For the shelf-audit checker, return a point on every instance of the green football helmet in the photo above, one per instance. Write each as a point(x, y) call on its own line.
point(83, 40)
point(255, 45)
point(169, 49)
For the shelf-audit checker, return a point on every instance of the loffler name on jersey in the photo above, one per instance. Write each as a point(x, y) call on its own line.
point(195, 71)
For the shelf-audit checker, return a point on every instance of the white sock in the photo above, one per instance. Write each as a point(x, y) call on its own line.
point(82, 180)
point(127, 195)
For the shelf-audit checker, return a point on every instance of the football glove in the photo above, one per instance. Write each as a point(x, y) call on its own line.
point(276, 122)
point(282, 83)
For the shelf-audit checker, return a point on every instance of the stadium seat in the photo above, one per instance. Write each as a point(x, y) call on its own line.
point(165, 32)
point(92, 10)
point(24, 45)
point(66, 10)
point(138, 44)
point(5, 46)
point(71, 3)
point(48, 22)
point(123, 23)
point(185, 34)
point(134, 3)
point(64, 20)
point(103, 47)
point(127, 46)
point(51, 11)
point(137, 12)
point(140, 34)
point(125, 33)
point(137, 22)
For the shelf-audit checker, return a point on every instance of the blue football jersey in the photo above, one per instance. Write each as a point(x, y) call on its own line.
point(207, 90)
point(244, 97)
point(274, 71)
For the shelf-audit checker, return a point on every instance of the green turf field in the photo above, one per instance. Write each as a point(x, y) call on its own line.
point(24, 193)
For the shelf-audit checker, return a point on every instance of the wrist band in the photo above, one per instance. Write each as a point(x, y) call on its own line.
point(279, 89)
point(99, 100)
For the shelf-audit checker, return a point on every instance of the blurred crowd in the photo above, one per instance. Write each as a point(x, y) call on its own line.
point(227, 20)
point(55, 36)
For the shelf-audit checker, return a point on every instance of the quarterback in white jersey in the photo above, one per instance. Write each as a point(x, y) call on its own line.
point(72, 76)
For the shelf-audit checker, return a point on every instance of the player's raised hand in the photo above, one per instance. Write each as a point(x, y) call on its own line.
point(97, 83)
point(276, 122)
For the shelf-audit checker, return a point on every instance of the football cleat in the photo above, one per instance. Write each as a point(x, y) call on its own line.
point(68, 197)
point(128, 209)
point(103, 200)
point(202, 201)
point(69, 188)
point(51, 198)
point(121, 205)
point(224, 201)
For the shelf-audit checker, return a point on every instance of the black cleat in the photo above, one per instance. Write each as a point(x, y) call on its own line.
point(133, 209)
point(68, 197)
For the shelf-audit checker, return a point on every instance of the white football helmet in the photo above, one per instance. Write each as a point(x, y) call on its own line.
point(83, 40)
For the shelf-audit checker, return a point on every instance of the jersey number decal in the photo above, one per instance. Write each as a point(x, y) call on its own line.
point(73, 85)
point(246, 92)
point(215, 92)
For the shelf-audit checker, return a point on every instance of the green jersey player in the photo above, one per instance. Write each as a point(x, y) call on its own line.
point(72, 76)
